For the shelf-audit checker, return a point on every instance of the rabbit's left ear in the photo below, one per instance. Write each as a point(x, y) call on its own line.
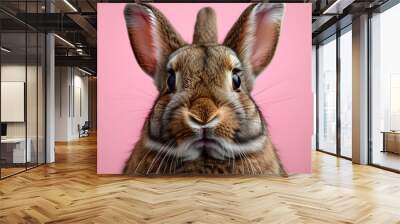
point(255, 34)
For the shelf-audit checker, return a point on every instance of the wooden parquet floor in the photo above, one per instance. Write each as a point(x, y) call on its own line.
point(70, 191)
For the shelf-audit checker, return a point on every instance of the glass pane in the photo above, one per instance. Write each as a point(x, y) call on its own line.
point(22, 88)
point(346, 94)
point(13, 89)
point(32, 95)
point(327, 97)
point(314, 78)
point(386, 89)
point(41, 98)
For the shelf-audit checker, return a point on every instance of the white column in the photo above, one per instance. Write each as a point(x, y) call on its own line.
point(50, 92)
point(360, 90)
point(50, 100)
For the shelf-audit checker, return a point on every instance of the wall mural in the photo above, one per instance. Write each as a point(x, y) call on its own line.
point(216, 89)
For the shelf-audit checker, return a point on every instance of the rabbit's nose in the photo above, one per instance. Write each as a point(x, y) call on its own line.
point(203, 113)
point(197, 123)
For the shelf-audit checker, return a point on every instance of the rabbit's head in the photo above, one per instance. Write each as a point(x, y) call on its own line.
point(204, 107)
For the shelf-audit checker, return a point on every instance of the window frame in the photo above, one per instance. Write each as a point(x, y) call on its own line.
point(334, 37)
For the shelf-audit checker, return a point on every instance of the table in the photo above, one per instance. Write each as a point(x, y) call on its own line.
point(391, 141)
point(13, 150)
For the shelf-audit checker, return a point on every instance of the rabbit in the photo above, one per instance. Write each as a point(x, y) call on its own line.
point(204, 120)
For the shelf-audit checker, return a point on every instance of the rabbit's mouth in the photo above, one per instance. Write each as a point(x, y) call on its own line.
point(215, 147)
point(204, 142)
point(209, 148)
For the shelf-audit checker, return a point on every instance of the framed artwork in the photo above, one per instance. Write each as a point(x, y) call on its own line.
point(216, 89)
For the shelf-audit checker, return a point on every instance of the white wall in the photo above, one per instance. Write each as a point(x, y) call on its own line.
point(13, 101)
point(62, 82)
point(71, 94)
point(80, 84)
point(16, 73)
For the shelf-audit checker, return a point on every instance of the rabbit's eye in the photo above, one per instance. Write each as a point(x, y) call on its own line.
point(236, 78)
point(171, 80)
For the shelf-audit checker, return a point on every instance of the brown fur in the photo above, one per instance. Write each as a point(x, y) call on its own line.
point(205, 30)
point(203, 93)
point(145, 162)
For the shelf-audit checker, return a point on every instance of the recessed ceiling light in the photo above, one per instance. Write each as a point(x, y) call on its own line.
point(84, 71)
point(337, 7)
point(5, 50)
point(64, 40)
point(70, 5)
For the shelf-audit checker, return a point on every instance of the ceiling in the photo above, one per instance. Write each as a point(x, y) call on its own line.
point(75, 22)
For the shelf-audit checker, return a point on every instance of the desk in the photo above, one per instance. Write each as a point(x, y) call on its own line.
point(13, 150)
point(391, 141)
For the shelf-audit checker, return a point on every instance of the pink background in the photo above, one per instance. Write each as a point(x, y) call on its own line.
point(126, 93)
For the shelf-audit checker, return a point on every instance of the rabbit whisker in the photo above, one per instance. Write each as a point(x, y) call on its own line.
point(157, 157)
point(246, 159)
point(141, 110)
point(258, 164)
point(146, 94)
point(163, 155)
point(226, 154)
point(244, 165)
point(162, 160)
point(173, 162)
point(247, 165)
point(233, 160)
point(166, 154)
point(250, 164)
point(269, 87)
point(152, 162)
point(275, 101)
point(169, 161)
point(178, 160)
point(141, 161)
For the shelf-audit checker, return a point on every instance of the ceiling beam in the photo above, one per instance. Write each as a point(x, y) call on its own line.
point(85, 25)
point(82, 61)
point(337, 7)
point(320, 22)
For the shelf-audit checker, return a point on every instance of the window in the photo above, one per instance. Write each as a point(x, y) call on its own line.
point(334, 106)
point(394, 102)
point(346, 93)
point(385, 89)
point(327, 96)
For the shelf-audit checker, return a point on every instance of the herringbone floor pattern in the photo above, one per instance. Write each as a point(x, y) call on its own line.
point(69, 191)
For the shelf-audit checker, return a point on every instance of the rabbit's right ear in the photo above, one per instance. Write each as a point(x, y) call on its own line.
point(152, 37)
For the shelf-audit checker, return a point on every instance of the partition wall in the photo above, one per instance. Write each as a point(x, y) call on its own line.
point(23, 87)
